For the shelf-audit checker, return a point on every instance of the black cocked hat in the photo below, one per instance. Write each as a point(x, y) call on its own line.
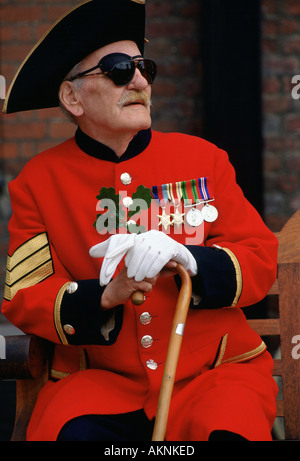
point(84, 29)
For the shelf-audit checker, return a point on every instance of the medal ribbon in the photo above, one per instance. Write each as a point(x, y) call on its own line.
point(192, 191)
point(175, 192)
point(195, 190)
point(161, 194)
point(203, 188)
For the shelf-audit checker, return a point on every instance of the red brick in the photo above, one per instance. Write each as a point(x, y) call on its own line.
point(177, 28)
point(293, 163)
point(269, 45)
point(24, 34)
point(292, 46)
point(292, 6)
point(27, 149)
point(280, 144)
point(277, 104)
point(45, 145)
point(55, 12)
point(281, 64)
point(159, 9)
point(190, 9)
point(24, 131)
point(269, 6)
point(9, 150)
point(13, 13)
point(164, 87)
point(7, 33)
point(52, 113)
point(275, 222)
point(62, 130)
point(271, 85)
point(270, 27)
point(288, 26)
point(272, 163)
point(293, 123)
point(8, 70)
point(17, 52)
point(288, 183)
point(189, 47)
point(294, 203)
point(41, 29)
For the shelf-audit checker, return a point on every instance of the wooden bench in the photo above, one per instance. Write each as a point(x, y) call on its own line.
point(287, 325)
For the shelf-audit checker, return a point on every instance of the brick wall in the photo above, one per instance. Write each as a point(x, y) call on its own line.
point(281, 61)
point(173, 30)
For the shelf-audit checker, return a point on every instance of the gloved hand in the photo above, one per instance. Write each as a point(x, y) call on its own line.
point(113, 250)
point(151, 251)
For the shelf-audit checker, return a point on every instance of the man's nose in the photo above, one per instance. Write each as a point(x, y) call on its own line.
point(138, 82)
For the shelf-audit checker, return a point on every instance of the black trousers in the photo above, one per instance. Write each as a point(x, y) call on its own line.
point(133, 426)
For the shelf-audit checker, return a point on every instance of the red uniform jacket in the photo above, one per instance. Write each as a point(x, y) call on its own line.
point(112, 370)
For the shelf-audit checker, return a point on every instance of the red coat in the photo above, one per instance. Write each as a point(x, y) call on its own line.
point(52, 228)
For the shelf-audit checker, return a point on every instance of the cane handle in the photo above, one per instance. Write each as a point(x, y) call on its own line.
point(138, 298)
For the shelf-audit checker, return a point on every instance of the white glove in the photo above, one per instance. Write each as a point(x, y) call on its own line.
point(151, 251)
point(113, 250)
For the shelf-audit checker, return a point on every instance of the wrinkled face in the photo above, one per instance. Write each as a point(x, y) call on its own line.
point(110, 109)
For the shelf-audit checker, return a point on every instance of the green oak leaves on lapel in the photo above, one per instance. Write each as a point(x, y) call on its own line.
point(115, 215)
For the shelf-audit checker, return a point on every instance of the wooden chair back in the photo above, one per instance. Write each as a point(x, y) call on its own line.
point(287, 326)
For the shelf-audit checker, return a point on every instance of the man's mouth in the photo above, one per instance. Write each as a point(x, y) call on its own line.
point(134, 99)
point(135, 103)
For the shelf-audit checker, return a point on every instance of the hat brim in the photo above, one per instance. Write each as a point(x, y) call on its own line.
point(84, 29)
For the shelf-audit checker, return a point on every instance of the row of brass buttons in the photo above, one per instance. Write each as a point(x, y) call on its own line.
point(145, 317)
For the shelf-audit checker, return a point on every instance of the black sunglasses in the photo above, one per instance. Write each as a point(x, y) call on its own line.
point(120, 68)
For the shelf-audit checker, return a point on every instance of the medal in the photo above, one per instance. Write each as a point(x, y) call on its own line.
point(175, 196)
point(178, 218)
point(209, 213)
point(193, 192)
point(164, 220)
point(161, 195)
point(196, 191)
point(194, 217)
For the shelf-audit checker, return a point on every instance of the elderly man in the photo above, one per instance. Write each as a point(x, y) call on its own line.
point(130, 203)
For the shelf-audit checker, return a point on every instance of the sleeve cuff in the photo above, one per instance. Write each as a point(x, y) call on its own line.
point(218, 282)
point(79, 319)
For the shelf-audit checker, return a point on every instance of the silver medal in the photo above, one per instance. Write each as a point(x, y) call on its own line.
point(194, 217)
point(209, 213)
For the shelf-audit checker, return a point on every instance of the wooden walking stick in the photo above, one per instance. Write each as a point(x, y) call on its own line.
point(174, 346)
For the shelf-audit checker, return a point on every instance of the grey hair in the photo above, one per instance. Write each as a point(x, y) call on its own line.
point(77, 85)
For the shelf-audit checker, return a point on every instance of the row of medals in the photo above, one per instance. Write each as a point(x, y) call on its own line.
point(194, 216)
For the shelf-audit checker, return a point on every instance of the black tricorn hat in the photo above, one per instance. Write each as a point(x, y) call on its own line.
point(85, 28)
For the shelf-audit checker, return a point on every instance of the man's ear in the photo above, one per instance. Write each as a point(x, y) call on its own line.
point(69, 98)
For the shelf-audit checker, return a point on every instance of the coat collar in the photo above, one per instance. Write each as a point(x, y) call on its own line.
point(96, 149)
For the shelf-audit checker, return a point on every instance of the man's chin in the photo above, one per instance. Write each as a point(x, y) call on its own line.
point(138, 118)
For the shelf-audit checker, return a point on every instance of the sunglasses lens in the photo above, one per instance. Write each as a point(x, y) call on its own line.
point(122, 73)
point(147, 69)
point(120, 68)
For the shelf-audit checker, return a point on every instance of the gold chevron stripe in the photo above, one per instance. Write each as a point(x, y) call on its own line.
point(30, 264)
point(27, 249)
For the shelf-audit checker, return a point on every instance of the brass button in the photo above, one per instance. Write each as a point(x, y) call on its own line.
point(72, 287)
point(126, 179)
point(69, 329)
point(147, 341)
point(127, 202)
point(145, 318)
point(151, 364)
